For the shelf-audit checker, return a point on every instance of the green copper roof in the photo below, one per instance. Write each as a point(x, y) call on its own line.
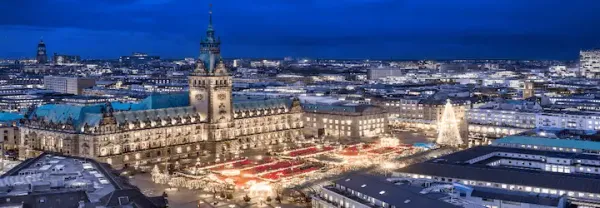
point(156, 101)
point(92, 114)
point(548, 142)
point(10, 117)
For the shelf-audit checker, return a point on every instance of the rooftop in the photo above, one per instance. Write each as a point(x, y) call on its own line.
point(343, 108)
point(7, 117)
point(395, 195)
point(542, 141)
point(64, 181)
point(457, 165)
point(515, 196)
point(57, 174)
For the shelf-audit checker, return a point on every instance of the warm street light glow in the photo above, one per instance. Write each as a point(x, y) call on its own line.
point(232, 172)
point(260, 190)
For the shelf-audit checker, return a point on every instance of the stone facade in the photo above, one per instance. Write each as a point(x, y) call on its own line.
point(345, 121)
point(423, 114)
point(10, 137)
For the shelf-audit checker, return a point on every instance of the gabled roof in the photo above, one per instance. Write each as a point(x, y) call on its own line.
point(153, 114)
point(61, 113)
point(155, 101)
point(153, 107)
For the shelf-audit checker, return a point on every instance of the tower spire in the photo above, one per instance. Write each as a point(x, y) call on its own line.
point(210, 26)
point(210, 48)
point(210, 15)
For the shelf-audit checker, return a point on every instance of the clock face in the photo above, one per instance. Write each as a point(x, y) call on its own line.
point(222, 96)
point(199, 97)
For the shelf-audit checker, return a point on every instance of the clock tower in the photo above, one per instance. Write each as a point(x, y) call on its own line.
point(210, 88)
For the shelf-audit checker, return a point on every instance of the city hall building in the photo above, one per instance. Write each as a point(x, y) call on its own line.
point(206, 121)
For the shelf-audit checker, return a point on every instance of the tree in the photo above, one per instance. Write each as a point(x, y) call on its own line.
point(268, 199)
point(448, 133)
point(278, 198)
point(222, 195)
point(247, 198)
point(229, 196)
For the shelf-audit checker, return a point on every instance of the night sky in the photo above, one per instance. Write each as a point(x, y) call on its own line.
point(376, 29)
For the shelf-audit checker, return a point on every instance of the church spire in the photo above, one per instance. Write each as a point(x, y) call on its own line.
point(210, 50)
point(210, 15)
point(210, 31)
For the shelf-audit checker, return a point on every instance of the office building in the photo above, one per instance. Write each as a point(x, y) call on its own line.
point(577, 120)
point(384, 72)
point(589, 63)
point(20, 102)
point(69, 85)
point(65, 59)
point(528, 89)
point(365, 191)
point(423, 113)
point(9, 131)
point(265, 63)
point(501, 118)
point(137, 59)
point(344, 120)
point(519, 171)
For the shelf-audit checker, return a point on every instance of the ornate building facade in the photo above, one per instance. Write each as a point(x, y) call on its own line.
point(353, 121)
point(208, 122)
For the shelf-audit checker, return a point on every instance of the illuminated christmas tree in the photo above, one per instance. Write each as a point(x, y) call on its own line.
point(448, 127)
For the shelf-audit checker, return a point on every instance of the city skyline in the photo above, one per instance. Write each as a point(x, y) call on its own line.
point(150, 131)
point(353, 29)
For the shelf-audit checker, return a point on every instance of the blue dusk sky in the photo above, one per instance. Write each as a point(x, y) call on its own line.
point(353, 29)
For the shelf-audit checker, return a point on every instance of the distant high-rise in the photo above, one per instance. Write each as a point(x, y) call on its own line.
point(70, 85)
point(41, 57)
point(528, 90)
point(65, 59)
point(384, 72)
point(137, 59)
point(589, 61)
